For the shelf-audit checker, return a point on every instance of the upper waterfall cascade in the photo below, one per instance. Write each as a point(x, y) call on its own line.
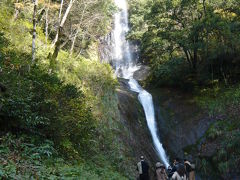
point(125, 66)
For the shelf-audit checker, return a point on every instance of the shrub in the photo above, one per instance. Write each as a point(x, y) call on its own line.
point(173, 72)
point(25, 157)
point(42, 104)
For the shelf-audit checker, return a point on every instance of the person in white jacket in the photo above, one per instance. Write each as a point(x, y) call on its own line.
point(176, 176)
point(179, 171)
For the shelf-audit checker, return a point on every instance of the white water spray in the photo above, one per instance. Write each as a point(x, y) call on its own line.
point(125, 67)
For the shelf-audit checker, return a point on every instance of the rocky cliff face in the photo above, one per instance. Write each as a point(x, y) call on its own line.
point(181, 122)
point(132, 116)
point(182, 126)
point(105, 51)
point(142, 74)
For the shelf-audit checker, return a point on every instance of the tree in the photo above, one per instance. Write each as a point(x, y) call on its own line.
point(59, 22)
point(35, 4)
point(47, 20)
point(82, 24)
point(60, 31)
point(202, 33)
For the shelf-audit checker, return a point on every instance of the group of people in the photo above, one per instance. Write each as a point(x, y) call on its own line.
point(179, 171)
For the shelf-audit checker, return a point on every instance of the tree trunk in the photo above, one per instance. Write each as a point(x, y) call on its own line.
point(73, 42)
point(46, 21)
point(57, 46)
point(60, 32)
point(2, 88)
point(41, 15)
point(81, 49)
point(64, 43)
point(195, 59)
point(80, 23)
point(188, 58)
point(59, 22)
point(67, 12)
point(204, 8)
point(34, 31)
point(195, 53)
point(16, 12)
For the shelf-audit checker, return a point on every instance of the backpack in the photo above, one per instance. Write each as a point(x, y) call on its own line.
point(193, 166)
point(181, 169)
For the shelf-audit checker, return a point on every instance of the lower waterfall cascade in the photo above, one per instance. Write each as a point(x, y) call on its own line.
point(125, 66)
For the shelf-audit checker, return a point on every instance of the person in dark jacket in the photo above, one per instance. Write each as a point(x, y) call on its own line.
point(175, 168)
point(143, 168)
point(178, 168)
point(175, 165)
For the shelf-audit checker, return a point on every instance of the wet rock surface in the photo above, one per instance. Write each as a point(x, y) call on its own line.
point(142, 73)
point(133, 118)
point(181, 122)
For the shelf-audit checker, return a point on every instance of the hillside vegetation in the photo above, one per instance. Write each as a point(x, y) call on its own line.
point(58, 107)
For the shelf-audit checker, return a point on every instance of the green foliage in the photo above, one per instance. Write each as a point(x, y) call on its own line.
point(138, 9)
point(220, 100)
point(75, 106)
point(41, 104)
point(202, 33)
point(224, 133)
point(171, 73)
point(33, 158)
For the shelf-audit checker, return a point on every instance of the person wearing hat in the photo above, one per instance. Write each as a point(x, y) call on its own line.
point(142, 168)
point(189, 170)
point(169, 172)
point(161, 172)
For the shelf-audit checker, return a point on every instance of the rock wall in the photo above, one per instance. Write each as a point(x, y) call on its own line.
point(138, 137)
point(181, 122)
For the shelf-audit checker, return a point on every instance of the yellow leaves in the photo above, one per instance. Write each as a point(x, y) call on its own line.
point(54, 6)
point(218, 11)
point(41, 1)
point(27, 24)
point(176, 2)
point(19, 5)
point(233, 14)
point(225, 14)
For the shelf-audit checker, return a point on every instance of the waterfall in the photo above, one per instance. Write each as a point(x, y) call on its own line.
point(125, 66)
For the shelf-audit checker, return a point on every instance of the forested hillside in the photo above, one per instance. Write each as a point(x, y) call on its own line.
point(194, 46)
point(58, 106)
